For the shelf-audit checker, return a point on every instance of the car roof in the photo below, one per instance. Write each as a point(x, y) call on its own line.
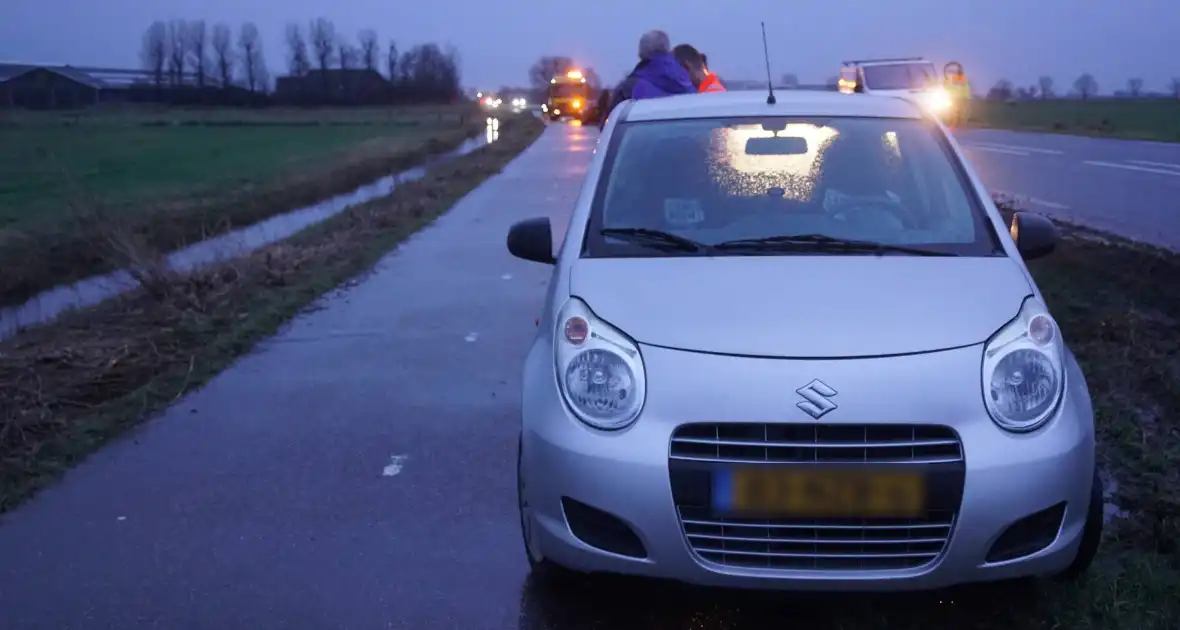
point(744, 103)
point(888, 62)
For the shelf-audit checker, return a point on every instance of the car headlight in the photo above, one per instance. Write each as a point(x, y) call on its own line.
point(938, 101)
point(1023, 370)
point(599, 369)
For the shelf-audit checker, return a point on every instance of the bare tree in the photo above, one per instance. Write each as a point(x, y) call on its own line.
point(790, 81)
point(546, 68)
point(1174, 87)
point(1046, 83)
point(154, 53)
point(347, 55)
point(1135, 86)
point(198, 41)
point(298, 61)
point(223, 53)
point(1085, 86)
point(177, 45)
point(391, 61)
point(250, 51)
point(368, 50)
point(322, 34)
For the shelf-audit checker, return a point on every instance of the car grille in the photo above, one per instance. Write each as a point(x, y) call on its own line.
point(829, 544)
point(815, 544)
point(806, 443)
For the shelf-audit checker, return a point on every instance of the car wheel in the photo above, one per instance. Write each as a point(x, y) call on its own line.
point(1091, 534)
point(542, 568)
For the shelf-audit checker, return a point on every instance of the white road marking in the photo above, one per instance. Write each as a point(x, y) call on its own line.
point(506, 276)
point(1017, 147)
point(1141, 169)
point(1159, 164)
point(121, 518)
point(979, 147)
point(471, 337)
point(396, 462)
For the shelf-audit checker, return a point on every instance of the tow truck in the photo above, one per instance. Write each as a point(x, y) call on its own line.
point(568, 96)
point(910, 77)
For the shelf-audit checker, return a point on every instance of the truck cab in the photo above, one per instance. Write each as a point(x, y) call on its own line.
point(568, 96)
point(914, 78)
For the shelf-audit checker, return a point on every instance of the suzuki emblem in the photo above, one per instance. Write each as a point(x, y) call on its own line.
point(816, 398)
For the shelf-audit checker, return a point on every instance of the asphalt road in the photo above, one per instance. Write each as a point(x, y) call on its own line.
point(358, 470)
point(1127, 187)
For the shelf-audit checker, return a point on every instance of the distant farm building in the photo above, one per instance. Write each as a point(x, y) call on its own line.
point(33, 86)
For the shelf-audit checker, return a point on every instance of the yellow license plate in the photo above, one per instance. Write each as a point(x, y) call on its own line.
point(820, 492)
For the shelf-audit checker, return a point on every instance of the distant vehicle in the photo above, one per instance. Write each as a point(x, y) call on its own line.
point(795, 346)
point(490, 101)
point(568, 96)
point(911, 77)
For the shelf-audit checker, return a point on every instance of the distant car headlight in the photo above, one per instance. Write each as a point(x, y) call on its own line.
point(599, 369)
point(1023, 370)
point(937, 101)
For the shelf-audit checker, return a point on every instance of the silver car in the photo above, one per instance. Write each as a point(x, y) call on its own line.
point(794, 345)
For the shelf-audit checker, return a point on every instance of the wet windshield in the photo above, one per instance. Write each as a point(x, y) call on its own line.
point(900, 76)
point(883, 180)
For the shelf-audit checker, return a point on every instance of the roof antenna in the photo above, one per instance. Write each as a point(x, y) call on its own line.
point(770, 100)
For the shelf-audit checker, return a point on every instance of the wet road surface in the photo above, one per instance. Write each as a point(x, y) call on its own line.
point(357, 471)
point(1127, 187)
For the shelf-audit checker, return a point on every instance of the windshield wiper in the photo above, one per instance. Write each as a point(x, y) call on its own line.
point(823, 242)
point(658, 238)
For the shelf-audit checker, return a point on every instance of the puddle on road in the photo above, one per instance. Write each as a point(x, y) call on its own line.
point(48, 305)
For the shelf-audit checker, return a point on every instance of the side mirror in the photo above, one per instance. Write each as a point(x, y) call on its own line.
point(532, 239)
point(1034, 234)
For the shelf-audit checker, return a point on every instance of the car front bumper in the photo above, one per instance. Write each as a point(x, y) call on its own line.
point(1005, 477)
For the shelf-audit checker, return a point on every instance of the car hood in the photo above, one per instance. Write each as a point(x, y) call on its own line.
point(803, 306)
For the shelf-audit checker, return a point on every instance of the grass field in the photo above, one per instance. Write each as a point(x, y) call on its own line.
point(177, 176)
point(1146, 119)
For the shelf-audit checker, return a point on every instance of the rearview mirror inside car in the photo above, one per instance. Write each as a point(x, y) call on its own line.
point(1035, 235)
point(532, 240)
point(776, 146)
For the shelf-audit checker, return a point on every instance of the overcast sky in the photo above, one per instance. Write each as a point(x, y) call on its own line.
point(499, 39)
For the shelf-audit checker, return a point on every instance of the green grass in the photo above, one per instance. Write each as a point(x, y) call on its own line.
point(49, 163)
point(1142, 119)
point(177, 176)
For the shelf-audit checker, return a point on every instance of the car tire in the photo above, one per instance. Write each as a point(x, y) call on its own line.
point(543, 569)
point(1091, 534)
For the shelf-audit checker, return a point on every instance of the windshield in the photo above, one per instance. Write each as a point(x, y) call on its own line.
point(900, 76)
point(567, 90)
point(888, 181)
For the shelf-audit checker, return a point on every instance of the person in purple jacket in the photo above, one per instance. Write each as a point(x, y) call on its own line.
point(662, 74)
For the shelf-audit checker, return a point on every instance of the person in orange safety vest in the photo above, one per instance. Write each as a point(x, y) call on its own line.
point(697, 66)
point(957, 87)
